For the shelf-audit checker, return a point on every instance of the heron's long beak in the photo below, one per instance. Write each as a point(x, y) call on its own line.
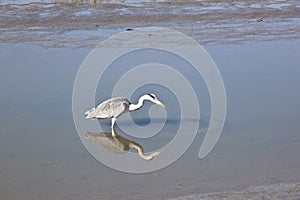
point(161, 104)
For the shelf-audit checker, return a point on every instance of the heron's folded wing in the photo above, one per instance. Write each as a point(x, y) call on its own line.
point(112, 108)
point(104, 110)
point(119, 108)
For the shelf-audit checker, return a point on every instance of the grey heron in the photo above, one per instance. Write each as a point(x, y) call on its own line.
point(115, 107)
point(118, 144)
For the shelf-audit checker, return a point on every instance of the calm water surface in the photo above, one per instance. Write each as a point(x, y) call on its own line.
point(42, 156)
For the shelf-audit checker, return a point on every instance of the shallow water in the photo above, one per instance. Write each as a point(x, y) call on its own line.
point(43, 158)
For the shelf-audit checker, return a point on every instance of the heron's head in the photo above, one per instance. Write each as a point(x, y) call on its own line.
point(153, 98)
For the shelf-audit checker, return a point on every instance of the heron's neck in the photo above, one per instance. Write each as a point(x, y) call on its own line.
point(137, 106)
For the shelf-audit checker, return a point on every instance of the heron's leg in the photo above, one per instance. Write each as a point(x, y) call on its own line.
point(113, 120)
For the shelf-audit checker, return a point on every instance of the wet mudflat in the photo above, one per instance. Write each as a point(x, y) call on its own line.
point(209, 22)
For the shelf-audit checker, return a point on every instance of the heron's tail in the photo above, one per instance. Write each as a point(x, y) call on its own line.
point(90, 113)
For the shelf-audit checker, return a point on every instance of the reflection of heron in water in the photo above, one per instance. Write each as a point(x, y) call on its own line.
point(113, 108)
point(119, 144)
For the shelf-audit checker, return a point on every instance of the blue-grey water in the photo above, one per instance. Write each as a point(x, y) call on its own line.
point(42, 156)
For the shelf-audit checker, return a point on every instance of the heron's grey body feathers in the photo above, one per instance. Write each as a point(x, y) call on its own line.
point(111, 108)
point(90, 114)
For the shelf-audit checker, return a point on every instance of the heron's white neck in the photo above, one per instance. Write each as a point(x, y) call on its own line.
point(137, 106)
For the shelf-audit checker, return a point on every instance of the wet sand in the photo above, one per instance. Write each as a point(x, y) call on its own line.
point(267, 192)
point(256, 49)
point(209, 22)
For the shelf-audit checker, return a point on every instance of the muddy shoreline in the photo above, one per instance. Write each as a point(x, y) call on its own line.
point(272, 192)
point(209, 22)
